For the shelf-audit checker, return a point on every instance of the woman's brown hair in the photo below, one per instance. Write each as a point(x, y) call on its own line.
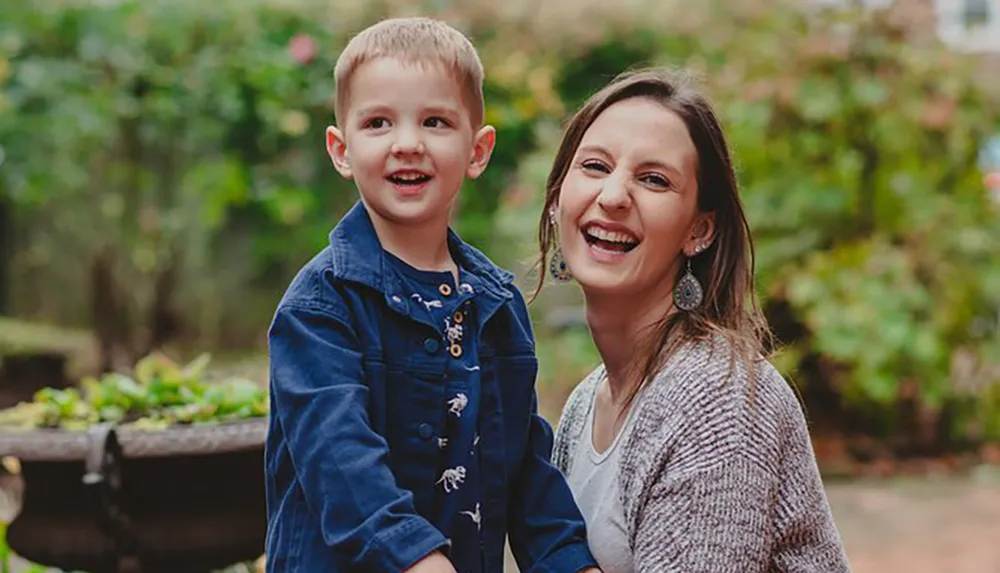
point(726, 269)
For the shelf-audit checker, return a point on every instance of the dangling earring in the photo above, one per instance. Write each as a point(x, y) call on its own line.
point(558, 268)
point(557, 264)
point(688, 291)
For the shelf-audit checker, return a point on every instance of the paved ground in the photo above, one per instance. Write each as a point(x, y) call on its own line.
point(905, 525)
point(919, 525)
point(923, 525)
point(914, 525)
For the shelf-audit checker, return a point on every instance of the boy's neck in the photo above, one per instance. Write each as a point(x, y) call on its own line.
point(424, 247)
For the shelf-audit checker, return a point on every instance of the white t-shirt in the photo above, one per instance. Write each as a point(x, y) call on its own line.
point(594, 482)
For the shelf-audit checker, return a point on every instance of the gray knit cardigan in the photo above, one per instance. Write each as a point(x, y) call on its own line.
point(718, 474)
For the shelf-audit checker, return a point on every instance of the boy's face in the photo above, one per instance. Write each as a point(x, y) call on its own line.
point(407, 141)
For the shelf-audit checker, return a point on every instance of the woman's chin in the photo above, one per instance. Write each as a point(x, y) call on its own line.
point(603, 281)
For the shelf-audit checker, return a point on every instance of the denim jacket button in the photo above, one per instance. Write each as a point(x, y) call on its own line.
point(431, 346)
point(425, 431)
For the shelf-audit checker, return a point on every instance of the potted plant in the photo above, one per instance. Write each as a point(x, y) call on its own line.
point(159, 470)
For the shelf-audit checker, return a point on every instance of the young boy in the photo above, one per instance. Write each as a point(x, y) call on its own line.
point(404, 434)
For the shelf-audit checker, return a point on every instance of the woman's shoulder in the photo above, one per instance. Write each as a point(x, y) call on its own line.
point(712, 377)
point(710, 402)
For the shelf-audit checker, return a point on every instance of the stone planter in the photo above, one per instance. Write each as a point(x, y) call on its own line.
point(188, 498)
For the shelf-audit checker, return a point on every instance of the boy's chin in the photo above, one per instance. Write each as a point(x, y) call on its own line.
point(410, 211)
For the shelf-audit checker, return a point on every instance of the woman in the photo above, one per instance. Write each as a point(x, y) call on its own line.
point(685, 449)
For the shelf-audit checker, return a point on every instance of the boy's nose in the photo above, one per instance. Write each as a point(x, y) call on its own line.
point(407, 142)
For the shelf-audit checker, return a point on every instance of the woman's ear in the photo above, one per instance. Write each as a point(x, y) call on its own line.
point(702, 234)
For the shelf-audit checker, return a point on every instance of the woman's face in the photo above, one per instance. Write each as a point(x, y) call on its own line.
point(628, 206)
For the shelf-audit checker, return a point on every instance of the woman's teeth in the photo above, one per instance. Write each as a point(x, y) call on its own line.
point(615, 241)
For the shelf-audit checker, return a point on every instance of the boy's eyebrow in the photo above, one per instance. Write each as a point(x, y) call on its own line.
point(442, 108)
point(370, 110)
point(435, 107)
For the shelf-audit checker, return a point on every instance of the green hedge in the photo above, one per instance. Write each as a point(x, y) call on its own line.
point(164, 127)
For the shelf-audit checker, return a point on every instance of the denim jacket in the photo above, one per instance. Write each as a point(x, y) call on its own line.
point(356, 380)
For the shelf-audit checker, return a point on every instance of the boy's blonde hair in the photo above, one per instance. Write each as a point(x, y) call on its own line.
point(418, 40)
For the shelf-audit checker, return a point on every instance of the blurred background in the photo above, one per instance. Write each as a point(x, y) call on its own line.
point(163, 176)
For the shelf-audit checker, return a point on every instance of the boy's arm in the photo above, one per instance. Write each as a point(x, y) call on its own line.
point(547, 533)
point(320, 398)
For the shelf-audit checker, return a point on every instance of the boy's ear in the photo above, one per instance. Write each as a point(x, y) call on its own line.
point(336, 148)
point(482, 148)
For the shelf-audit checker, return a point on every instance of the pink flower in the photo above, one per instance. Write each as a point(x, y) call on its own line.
point(992, 180)
point(302, 48)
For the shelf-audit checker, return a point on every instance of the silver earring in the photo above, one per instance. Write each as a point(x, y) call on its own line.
point(558, 268)
point(557, 264)
point(688, 292)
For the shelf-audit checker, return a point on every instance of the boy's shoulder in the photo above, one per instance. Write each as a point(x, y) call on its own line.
point(312, 287)
point(351, 255)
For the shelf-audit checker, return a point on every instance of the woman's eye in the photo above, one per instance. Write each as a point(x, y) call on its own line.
point(595, 166)
point(656, 179)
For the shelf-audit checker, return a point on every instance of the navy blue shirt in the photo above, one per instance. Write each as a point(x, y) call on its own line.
point(366, 449)
point(458, 499)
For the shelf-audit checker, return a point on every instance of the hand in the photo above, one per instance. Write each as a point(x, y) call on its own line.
point(434, 563)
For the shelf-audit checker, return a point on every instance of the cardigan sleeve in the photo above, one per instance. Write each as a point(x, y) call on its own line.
point(716, 476)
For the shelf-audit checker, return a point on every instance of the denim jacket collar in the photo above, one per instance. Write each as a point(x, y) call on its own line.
point(358, 257)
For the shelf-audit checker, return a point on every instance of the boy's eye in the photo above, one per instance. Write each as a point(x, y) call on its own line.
point(655, 179)
point(435, 122)
point(594, 165)
point(376, 123)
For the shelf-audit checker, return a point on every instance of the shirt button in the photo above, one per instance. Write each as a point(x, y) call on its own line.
point(458, 317)
point(445, 289)
point(431, 345)
point(425, 431)
point(455, 350)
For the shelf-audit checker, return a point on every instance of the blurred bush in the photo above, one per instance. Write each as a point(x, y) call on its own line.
point(857, 142)
point(176, 151)
point(187, 137)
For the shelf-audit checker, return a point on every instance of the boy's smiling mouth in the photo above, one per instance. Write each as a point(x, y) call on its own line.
point(408, 177)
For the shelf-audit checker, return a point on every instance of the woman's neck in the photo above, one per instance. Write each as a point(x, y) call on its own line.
point(622, 331)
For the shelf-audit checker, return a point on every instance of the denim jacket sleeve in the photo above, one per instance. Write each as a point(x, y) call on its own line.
point(319, 395)
point(547, 532)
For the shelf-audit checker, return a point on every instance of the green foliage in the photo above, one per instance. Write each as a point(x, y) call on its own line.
point(193, 132)
point(856, 151)
point(160, 393)
point(165, 126)
point(870, 213)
